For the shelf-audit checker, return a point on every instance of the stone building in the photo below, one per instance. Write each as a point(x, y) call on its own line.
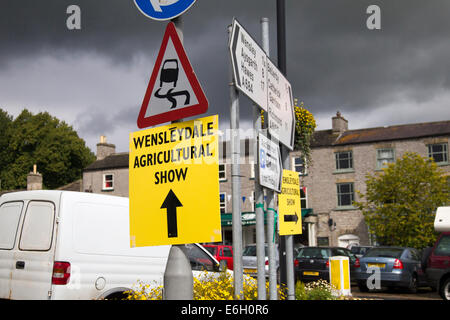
point(109, 173)
point(341, 158)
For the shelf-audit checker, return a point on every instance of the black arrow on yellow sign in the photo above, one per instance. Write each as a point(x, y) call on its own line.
point(171, 203)
point(291, 217)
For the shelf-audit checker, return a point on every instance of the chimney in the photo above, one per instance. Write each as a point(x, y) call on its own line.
point(339, 124)
point(104, 149)
point(34, 180)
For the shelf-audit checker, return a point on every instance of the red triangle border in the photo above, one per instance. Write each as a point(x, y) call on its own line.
point(172, 115)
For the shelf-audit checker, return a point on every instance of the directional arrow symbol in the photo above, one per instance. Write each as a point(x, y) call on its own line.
point(171, 203)
point(291, 217)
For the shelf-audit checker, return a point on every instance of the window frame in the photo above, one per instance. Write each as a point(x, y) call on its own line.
point(337, 158)
point(304, 199)
point(444, 152)
point(224, 172)
point(351, 193)
point(303, 165)
point(104, 181)
point(380, 159)
point(224, 207)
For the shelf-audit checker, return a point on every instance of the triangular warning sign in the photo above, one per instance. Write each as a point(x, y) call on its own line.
point(173, 91)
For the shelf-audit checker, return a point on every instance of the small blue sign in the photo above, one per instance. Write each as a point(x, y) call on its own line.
point(163, 10)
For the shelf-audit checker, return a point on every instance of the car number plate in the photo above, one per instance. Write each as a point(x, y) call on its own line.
point(378, 265)
point(249, 270)
point(310, 273)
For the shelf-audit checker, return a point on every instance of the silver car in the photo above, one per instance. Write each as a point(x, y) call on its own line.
point(249, 260)
point(394, 267)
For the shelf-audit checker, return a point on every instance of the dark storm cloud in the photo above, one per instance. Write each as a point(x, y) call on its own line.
point(333, 60)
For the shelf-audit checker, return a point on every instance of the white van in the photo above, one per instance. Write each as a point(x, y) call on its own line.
point(442, 219)
point(74, 245)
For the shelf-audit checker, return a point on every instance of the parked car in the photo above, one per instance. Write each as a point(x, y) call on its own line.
point(438, 266)
point(221, 253)
point(76, 245)
point(398, 266)
point(313, 263)
point(359, 251)
point(249, 261)
point(437, 263)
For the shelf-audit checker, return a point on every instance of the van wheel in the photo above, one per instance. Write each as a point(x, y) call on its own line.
point(117, 296)
point(444, 290)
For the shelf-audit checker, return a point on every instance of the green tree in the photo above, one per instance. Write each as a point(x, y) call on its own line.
point(43, 140)
point(401, 201)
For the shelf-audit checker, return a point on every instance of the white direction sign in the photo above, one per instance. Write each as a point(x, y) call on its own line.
point(249, 65)
point(258, 78)
point(269, 159)
point(281, 113)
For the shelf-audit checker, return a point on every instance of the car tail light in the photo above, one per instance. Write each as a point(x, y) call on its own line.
point(296, 263)
point(398, 264)
point(267, 262)
point(61, 273)
point(357, 263)
point(328, 264)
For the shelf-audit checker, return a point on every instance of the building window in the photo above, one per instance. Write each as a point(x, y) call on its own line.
point(344, 160)
point(223, 203)
point(345, 194)
point(108, 181)
point(384, 157)
point(303, 198)
point(439, 152)
point(299, 165)
point(222, 173)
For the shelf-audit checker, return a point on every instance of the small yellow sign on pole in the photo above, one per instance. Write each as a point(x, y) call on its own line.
point(174, 184)
point(289, 205)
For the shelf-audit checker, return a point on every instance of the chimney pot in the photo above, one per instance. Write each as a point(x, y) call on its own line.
point(104, 149)
point(339, 124)
point(34, 179)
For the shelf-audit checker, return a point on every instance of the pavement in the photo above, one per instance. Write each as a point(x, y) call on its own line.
point(396, 294)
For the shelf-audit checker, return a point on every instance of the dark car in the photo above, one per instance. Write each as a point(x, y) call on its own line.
point(438, 266)
point(398, 267)
point(312, 263)
point(221, 253)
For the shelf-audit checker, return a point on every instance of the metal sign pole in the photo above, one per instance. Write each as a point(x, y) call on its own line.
point(236, 187)
point(271, 231)
point(259, 191)
point(286, 242)
point(178, 278)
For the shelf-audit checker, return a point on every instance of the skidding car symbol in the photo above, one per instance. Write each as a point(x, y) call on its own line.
point(169, 72)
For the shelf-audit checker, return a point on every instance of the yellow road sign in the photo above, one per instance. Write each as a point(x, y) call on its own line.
point(289, 205)
point(174, 184)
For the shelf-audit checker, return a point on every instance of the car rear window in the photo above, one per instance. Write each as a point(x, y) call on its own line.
point(443, 247)
point(211, 250)
point(249, 251)
point(385, 252)
point(313, 253)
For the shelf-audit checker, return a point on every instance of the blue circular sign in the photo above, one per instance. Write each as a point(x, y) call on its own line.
point(163, 10)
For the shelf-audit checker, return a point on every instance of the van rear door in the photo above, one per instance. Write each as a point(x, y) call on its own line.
point(33, 259)
point(9, 223)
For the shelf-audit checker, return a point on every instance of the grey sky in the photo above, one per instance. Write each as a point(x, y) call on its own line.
point(95, 78)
